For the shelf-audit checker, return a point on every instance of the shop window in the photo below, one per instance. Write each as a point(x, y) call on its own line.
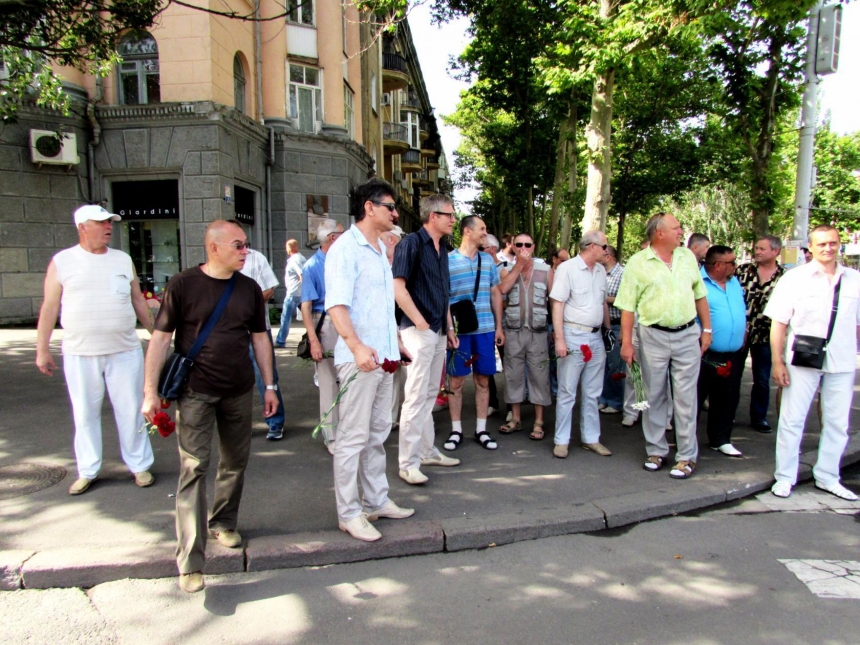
point(306, 98)
point(139, 81)
point(239, 83)
point(301, 11)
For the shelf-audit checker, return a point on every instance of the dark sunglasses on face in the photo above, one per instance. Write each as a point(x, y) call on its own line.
point(237, 245)
point(520, 245)
point(391, 206)
point(602, 246)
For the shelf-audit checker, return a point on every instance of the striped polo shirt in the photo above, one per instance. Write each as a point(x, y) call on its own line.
point(463, 271)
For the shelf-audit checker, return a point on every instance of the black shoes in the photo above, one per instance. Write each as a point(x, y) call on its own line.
point(762, 426)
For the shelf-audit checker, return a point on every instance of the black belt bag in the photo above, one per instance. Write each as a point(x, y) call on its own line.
point(810, 351)
point(463, 312)
point(303, 349)
point(174, 375)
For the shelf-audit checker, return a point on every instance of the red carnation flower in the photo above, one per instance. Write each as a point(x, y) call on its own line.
point(389, 367)
point(586, 353)
point(724, 370)
point(165, 404)
point(167, 429)
point(618, 376)
point(471, 360)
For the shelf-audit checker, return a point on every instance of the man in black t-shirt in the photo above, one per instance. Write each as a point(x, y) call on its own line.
point(220, 389)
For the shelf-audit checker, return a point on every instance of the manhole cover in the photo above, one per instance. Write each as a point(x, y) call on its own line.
point(17, 480)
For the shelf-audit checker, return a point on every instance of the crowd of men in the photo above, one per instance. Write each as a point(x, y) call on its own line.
point(387, 317)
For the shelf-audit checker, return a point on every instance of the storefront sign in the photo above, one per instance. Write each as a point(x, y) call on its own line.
point(244, 205)
point(146, 200)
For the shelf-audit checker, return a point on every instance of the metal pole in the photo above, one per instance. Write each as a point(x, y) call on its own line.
point(806, 150)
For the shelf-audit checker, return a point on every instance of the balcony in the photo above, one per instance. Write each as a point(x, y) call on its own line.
point(422, 179)
point(395, 72)
point(427, 152)
point(410, 161)
point(423, 132)
point(433, 163)
point(395, 138)
point(411, 102)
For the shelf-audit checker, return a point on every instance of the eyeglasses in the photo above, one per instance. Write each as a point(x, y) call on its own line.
point(602, 246)
point(520, 245)
point(391, 206)
point(237, 245)
point(448, 215)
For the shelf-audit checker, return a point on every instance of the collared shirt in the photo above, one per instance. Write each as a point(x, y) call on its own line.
point(582, 290)
point(728, 314)
point(613, 281)
point(463, 271)
point(358, 276)
point(257, 268)
point(431, 287)
point(660, 295)
point(803, 299)
point(293, 275)
point(757, 294)
point(313, 282)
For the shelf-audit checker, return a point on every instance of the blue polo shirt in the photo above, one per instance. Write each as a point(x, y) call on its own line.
point(728, 314)
point(313, 282)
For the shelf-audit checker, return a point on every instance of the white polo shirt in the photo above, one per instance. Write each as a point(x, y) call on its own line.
point(803, 299)
point(582, 291)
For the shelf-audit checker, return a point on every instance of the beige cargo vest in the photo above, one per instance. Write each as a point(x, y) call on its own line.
point(528, 307)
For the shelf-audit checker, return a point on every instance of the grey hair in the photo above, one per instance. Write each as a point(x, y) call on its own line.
point(433, 204)
point(326, 228)
point(775, 242)
point(492, 241)
point(654, 225)
point(591, 237)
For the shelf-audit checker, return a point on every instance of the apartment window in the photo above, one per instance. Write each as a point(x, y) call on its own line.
point(411, 123)
point(138, 72)
point(306, 97)
point(301, 11)
point(239, 83)
point(348, 112)
point(343, 25)
point(373, 94)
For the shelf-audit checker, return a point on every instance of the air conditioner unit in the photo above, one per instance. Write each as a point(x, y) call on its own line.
point(398, 176)
point(47, 148)
point(386, 98)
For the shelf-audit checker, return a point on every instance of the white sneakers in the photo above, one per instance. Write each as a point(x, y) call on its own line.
point(729, 450)
point(413, 476)
point(360, 529)
point(440, 460)
point(392, 511)
point(839, 490)
point(781, 489)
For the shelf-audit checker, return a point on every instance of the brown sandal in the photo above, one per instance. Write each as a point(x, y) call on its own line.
point(537, 432)
point(653, 463)
point(511, 426)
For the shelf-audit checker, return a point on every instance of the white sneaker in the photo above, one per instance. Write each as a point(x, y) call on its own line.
point(608, 409)
point(729, 449)
point(440, 460)
point(360, 529)
point(781, 489)
point(839, 490)
point(330, 447)
point(391, 511)
point(628, 422)
point(600, 406)
point(413, 476)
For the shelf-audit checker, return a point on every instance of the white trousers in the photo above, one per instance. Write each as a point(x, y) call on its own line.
point(86, 377)
point(573, 370)
point(359, 453)
point(837, 392)
point(417, 432)
point(327, 377)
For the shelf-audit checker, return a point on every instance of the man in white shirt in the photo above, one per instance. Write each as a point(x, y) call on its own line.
point(293, 283)
point(100, 296)
point(802, 304)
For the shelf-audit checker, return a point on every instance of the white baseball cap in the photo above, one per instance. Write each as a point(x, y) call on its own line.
point(94, 212)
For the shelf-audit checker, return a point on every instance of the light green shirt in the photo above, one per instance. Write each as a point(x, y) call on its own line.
point(659, 295)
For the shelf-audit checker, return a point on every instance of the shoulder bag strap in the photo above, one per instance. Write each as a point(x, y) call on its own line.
point(213, 318)
point(833, 310)
point(477, 279)
point(320, 323)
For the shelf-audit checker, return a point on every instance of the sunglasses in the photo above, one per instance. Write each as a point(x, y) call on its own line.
point(602, 246)
point(237, 245)
point(520, 245)
point(448, 215)
point(391, 206)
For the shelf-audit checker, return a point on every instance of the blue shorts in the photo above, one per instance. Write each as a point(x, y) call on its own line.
point(481, 345)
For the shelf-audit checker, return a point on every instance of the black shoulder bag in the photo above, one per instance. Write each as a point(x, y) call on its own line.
point(174, 375)
point(464, 313)
point(303, 349)
point(809, 351)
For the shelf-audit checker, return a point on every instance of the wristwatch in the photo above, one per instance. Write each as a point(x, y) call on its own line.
point(272, 387)
point(707, 331)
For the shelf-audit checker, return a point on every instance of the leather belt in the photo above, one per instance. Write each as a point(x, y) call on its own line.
point(574, 325)
point(672, 330)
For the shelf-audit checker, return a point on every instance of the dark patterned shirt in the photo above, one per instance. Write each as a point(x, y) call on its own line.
point(613, 281)
point(756, 295)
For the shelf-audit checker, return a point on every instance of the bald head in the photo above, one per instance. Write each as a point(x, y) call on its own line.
point(221, 231)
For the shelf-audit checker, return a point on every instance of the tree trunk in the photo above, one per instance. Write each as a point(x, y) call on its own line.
point(568, 126)
point(573, 160)
point(598, 135)
point(619, 241)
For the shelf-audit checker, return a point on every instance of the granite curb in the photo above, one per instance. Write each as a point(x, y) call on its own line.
point(85, 568)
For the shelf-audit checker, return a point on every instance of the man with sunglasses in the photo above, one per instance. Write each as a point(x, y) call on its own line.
point(579, 311)
point(663, 285)
point(421, 289)
point(220, 390)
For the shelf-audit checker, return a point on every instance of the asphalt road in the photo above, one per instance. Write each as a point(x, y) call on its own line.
point(718, 577)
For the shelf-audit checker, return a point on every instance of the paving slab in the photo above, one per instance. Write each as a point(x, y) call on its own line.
point(11, 563)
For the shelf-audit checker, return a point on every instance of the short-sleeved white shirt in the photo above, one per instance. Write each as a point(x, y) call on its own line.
point(803, 299)
point(258, 269)
point(582, 290)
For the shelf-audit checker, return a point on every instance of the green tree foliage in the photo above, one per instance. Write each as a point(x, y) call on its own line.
point(836, 196)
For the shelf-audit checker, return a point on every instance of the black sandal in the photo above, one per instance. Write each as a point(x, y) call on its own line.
point(453, 441)
point(486, 440)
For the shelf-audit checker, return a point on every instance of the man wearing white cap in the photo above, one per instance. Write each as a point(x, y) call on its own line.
point(101, 301)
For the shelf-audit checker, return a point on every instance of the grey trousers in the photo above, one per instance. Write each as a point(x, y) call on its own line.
point(199, 415)
point(526, 347)
point(677, 354)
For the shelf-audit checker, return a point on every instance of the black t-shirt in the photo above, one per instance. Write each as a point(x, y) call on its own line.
point(223, 366)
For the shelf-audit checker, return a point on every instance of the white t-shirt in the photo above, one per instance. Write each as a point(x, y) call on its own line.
point(257, 268)
point(582, 291)
point(96, 311)
point(293, 275)
point(803, 299)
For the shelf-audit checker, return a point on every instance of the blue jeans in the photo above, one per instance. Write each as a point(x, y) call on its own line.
point(288, 312)
point(277, 419)
point(760, 394)
point(613, 391)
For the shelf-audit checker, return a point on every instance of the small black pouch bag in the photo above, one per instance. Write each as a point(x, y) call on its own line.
point(810, 351)
point(303, 349)
point(463, 312)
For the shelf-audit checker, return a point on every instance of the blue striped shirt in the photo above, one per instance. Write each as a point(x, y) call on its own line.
point(463, 271)
point(429, 290)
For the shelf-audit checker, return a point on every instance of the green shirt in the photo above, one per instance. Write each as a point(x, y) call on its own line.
point(661, 296)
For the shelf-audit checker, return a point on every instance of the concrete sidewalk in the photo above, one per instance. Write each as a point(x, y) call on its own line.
point(288, 519)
